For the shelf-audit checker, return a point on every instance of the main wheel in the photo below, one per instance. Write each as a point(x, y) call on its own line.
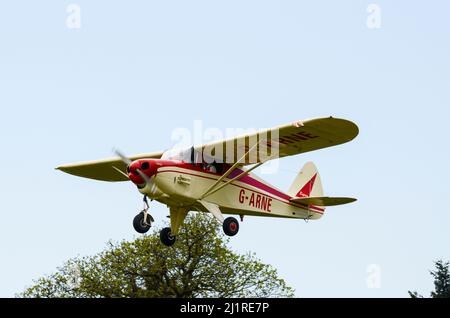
point(230, 226)
point(139, 225)
point(166, 237)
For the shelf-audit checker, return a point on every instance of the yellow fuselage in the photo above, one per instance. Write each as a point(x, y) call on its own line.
point(181, 186)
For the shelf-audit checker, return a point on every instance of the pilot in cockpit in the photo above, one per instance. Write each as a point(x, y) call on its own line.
point(210, 167)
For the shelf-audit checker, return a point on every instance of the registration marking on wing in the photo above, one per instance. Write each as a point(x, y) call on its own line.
point(296, 137)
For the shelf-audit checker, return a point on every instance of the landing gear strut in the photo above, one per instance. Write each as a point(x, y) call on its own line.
point(143, 221)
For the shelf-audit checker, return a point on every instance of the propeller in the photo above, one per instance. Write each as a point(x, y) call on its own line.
point(127, 161)
point(123, 157)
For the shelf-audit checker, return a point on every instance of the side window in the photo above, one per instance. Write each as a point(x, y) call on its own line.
point(220, 168)
point(195, 158)
point(213, 167)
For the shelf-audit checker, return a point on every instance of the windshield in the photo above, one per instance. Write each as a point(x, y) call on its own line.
point(185, 155)
point(189, 155)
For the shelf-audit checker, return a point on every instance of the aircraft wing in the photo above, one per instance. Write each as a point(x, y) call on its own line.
point(290, 139)
point(106, 169)
point(286, 140)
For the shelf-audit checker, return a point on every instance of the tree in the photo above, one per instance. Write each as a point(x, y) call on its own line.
point(200, 264)
point(441, 281)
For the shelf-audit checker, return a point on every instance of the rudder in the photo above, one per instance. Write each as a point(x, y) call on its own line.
point(307, 183)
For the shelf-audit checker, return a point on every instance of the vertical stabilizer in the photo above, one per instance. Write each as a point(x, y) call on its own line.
point(307, 183)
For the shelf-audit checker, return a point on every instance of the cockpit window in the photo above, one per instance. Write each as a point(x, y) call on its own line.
point(186, 155)
point(214, 167)
point(190, 155)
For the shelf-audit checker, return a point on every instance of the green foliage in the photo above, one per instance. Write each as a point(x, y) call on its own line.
point(200, 264)
point(441, 281)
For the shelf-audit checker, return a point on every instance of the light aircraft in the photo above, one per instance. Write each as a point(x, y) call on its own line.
point(217, 177)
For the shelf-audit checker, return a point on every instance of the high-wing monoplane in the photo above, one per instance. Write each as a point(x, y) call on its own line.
point(217, 177)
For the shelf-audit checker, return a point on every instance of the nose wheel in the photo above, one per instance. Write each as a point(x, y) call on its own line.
point(143, 221)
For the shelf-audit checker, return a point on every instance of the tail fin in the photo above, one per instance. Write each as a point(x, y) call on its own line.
point(307, 190)
point(307, 183)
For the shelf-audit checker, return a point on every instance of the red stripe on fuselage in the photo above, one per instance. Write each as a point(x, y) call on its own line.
point(250, 181)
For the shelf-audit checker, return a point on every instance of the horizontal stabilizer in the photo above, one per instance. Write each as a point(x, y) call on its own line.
point(322, 201)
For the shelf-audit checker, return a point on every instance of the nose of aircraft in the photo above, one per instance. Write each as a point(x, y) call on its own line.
point(133, 174)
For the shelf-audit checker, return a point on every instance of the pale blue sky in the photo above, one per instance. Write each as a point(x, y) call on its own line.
point(138, 69)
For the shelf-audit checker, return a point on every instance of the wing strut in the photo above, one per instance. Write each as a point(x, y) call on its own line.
point(214, 188)
point(245, 172)
point(227, 173)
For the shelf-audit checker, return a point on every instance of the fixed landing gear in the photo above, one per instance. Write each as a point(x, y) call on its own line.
point(230, 226)
point(166, 237)
point(140, 225)
point(143, 221)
